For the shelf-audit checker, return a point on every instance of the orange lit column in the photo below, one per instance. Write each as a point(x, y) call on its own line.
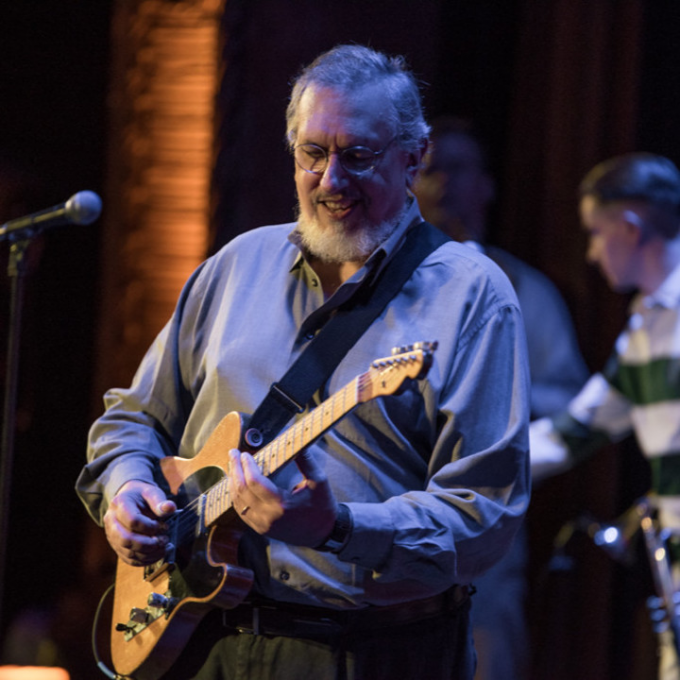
point(165, 70)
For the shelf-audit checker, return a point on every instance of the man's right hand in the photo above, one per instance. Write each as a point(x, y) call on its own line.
point(134, 522)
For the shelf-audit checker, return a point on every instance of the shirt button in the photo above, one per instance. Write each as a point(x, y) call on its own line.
point(284, 575)
point(309, 336)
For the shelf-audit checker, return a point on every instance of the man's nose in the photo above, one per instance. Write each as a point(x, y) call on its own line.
point(334, 176)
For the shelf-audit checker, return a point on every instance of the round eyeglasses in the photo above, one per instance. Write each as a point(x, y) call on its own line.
point(356, 160)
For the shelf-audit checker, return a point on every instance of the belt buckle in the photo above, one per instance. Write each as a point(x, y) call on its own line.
point(254, 629)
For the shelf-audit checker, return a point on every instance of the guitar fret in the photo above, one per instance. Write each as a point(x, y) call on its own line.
point(312, 428)
point(296, 434)
point(277, 449)
point(262, 461)
point(308, 429)
point(329, 412)
point(272, 455)
point(209, 507)
point(216, 502)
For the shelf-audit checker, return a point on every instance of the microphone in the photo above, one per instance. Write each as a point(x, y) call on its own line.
point(82, 208)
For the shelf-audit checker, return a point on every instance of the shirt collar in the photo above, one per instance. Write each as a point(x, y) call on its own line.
point(666, 295)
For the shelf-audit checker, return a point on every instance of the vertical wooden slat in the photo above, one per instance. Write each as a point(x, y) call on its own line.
point(165, 71)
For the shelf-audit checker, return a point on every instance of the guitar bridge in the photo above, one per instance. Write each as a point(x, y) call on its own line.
point(153, 571)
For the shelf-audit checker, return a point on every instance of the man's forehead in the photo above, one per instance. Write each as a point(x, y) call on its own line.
point(354, 110)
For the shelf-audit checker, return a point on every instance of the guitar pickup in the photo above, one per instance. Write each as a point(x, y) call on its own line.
point(153, 571)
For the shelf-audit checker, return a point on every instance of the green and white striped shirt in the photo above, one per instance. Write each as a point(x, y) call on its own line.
point(639, 390)
point(637, 393)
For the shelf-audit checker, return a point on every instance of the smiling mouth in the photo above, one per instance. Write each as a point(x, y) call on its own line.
point(338, 209)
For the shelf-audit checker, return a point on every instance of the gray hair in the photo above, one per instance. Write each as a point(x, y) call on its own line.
point(350, 67)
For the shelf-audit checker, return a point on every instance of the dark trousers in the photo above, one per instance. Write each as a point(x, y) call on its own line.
point(437, 648)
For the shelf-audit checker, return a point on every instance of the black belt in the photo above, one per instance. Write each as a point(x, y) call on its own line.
point(267, 617)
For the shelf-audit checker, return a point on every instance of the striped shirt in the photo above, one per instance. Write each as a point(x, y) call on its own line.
point(637, 393)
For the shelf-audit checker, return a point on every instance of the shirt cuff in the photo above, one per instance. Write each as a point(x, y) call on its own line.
point(125, 470)
point(372, 535)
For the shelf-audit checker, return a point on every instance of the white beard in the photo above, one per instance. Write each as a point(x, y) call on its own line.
point(334, 244)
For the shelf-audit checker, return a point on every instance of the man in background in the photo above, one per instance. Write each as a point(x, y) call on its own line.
point(455, 190)
point(630, 209)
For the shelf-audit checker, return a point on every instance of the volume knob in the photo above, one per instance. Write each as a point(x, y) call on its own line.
point(157, 600)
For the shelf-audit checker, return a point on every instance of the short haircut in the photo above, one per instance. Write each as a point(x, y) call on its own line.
point(640, 177)
point(351, 67)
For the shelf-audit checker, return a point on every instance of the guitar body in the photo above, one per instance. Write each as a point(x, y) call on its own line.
point(201, 575)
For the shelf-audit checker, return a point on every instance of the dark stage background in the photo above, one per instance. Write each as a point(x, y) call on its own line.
point(556, 86)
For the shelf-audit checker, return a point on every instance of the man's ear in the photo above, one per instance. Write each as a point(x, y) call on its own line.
point(632, 217)
point(635, 222)
point(415, 162)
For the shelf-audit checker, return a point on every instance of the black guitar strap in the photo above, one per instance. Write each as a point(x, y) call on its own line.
point(314, 366)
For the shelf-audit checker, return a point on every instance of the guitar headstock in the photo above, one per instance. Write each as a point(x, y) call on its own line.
point(386, 375)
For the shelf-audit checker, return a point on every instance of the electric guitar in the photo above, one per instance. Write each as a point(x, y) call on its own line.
point(157, 607)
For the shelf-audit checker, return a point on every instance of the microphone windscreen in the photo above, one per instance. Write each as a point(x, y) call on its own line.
point(84, 207)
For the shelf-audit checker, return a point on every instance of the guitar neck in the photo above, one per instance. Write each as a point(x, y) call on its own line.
point(384, 377)
point(286, 446)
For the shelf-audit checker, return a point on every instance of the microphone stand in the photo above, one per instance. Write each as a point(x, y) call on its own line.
point(664, 607)
point(16, 270)
point(82, 208)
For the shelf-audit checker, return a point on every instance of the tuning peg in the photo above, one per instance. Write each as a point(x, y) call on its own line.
point(427, 347)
